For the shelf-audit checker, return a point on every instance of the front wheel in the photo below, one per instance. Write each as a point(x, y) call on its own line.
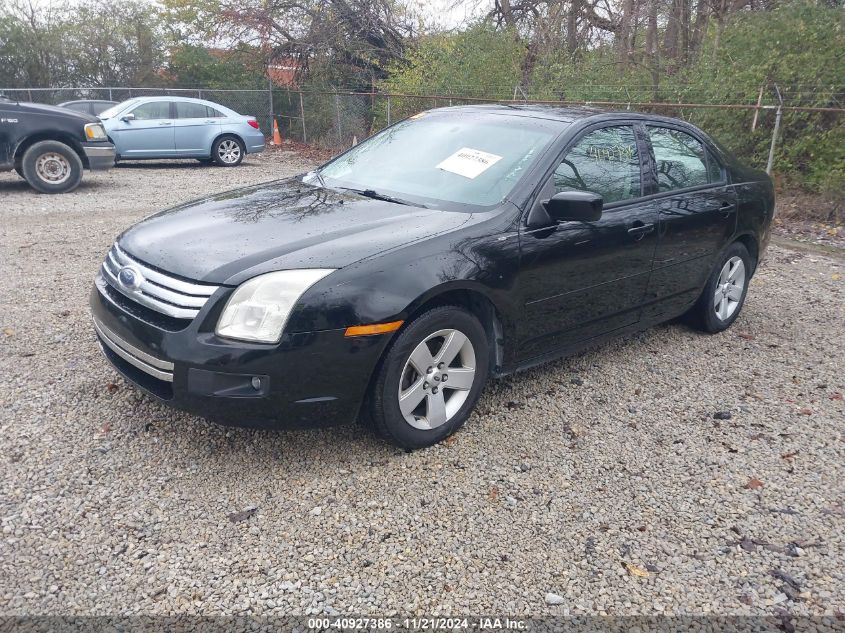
point(724, 295)
point(431, 378)
point(51, 167)
point(228, 151)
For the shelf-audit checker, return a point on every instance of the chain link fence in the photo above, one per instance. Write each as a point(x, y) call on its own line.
point(335, 119)
point(257, 103)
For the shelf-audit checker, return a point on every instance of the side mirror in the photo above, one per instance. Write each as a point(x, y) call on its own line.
point(126, 118)
point(574, 206)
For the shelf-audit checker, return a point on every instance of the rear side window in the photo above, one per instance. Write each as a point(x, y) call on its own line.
point(152, 110)
point(679, 158)
point(605, 162)
point(214, 113)
point(188, 110)
point(714, 168)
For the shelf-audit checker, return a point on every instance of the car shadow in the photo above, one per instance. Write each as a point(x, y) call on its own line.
point(178, 163)
point(21, 186)
point(355, 442)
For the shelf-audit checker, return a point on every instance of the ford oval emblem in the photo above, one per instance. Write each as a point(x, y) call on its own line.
point(130, 278)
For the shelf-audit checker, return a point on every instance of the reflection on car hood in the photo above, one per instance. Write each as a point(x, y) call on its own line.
point(279, 225)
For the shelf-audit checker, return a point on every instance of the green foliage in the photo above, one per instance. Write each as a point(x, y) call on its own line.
point(191, 66)
point(799, 47)
point(477, 62)
point(108, 42)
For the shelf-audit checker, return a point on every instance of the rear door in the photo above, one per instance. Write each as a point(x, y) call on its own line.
point(149, 134)
point(697, 216)
point(579, 280)
point(196, 126)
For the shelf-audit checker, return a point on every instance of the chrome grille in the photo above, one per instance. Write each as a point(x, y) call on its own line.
point(157, 291)
point(155, 367)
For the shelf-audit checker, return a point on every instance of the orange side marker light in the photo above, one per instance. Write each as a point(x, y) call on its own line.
point(369, 330)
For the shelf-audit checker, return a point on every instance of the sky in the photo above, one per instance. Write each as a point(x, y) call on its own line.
point(450, 14)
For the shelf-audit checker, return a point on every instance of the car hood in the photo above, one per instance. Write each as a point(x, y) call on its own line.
point(41, 108)
point(286, 224)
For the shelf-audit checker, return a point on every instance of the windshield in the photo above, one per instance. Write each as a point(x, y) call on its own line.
point(110, 112)
point(468, 158)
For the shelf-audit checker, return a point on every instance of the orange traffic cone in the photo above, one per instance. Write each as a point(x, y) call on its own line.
point(277, 138)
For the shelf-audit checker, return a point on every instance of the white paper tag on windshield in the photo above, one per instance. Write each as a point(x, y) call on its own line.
point(468, 162)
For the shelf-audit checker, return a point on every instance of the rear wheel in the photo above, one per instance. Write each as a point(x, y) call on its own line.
point(431, 378)
point(228, 151)
point(51, 167)
point(724, 295)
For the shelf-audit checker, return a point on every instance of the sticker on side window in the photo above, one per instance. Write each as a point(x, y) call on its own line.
point(468, 162)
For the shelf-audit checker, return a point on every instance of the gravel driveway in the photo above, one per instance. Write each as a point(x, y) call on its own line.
point(670, 472)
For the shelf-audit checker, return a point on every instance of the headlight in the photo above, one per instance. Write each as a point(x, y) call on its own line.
point(95, 132)
point(259, 308)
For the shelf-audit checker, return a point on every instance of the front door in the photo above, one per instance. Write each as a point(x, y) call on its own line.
point(149, 134)
point(697, 218)
point(579, 280)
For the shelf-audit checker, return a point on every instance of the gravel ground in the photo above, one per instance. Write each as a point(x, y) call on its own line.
point(667, 473)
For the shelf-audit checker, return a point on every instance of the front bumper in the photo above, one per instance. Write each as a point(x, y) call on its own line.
point(99, 155)
point(308, 379)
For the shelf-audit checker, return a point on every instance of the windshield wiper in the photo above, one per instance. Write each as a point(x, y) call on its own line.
point(370, 193)
point(318, 176)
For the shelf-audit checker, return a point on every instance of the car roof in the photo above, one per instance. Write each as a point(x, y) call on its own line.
point(212, 104)
point(565, 114)
point(64, 103)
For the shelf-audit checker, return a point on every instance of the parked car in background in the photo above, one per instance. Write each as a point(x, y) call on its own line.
point(88, 106)
point(457, 245)
point(50, 146)
point(179, 127)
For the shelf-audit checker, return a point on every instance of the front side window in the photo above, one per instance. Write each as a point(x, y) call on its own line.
point(188, 110)
point(679, 158)
point(436, 159)
point(605, 162)
point(152, 110)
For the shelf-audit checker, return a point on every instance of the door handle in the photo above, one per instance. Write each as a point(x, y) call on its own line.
point(640, 229)
point(726, 208)
point(164, 123)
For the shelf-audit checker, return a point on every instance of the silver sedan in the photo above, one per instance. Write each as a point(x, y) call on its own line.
point(179, 127)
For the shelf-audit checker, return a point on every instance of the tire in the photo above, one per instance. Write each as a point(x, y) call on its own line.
point(228, 151)
point(730, 277)
point(51, 167)
point(411, 426)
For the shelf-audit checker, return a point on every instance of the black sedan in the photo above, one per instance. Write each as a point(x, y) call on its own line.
point(459, 244)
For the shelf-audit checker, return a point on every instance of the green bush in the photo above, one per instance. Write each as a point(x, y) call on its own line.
point(798, 46)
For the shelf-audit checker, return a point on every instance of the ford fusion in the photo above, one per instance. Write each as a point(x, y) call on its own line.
point(461, 244)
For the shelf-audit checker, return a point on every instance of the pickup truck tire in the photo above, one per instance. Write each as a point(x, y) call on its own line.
point(51, 167)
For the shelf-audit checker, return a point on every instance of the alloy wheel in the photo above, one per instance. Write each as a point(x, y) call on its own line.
point(436, 379)
point(729, 288)
point(229, 151)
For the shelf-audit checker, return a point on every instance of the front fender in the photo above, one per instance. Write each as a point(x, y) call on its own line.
point(395, 285)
